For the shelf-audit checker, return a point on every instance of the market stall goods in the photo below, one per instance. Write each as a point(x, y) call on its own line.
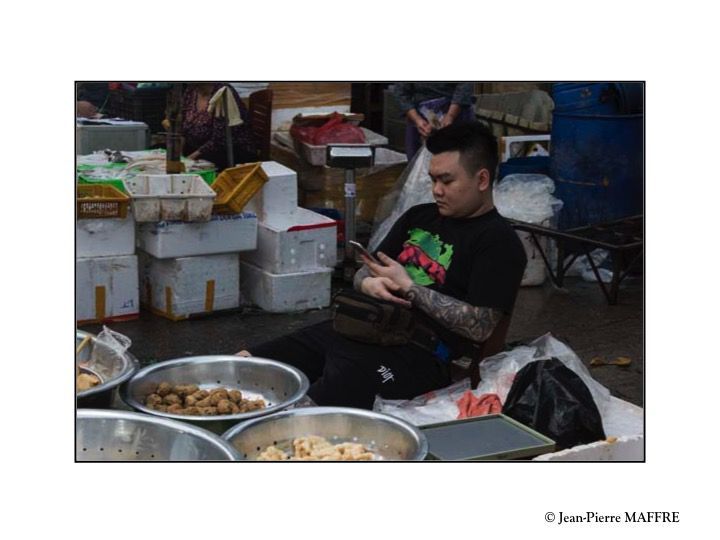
point(86, 380)
point(191, 400)
point(330, 433)
point(314, 448)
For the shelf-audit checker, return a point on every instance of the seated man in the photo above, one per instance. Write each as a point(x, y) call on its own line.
point(456, 262)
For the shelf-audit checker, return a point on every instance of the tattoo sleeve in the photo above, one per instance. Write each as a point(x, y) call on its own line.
point(475, 323)
point(359, 276)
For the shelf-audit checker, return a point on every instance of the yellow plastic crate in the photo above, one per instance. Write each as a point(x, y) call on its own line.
point(101, 201)
point(236, 186)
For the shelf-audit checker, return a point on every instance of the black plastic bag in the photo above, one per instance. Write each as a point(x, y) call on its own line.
point(551, 399)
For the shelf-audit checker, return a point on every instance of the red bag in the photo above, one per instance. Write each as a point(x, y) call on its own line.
point(335, 130)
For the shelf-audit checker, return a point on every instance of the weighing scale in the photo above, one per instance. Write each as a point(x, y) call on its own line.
point(349, 157)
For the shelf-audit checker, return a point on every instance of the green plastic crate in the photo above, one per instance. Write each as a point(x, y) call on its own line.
point(114, 182)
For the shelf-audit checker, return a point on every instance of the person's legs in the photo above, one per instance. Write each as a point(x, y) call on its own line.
point(348, 373)
point(355, 372)
point(412, 140)
point(304, 349)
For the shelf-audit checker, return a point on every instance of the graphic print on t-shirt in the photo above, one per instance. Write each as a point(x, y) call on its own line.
point(425, 257)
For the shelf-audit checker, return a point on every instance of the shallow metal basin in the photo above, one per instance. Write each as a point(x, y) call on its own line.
point(112, 367)
point(280, 385)
point(103, 435)
point(388, 437)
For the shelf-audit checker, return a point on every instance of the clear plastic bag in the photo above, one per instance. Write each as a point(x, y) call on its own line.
point(581, 266)
point(497, 373)
point(527, 197)
point(433, 407)
point(413, 187)
point(109, 344)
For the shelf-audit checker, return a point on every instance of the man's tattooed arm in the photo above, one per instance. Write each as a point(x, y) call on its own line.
point(475, 323)
point(359, 276)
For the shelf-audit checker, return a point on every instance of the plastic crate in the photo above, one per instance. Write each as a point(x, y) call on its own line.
point(316, 154)
point(117, 183)
point(101, 201)
point(236, 186)
point(170, 197)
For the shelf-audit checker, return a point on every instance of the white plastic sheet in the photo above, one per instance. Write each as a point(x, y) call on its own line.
point(413, 187)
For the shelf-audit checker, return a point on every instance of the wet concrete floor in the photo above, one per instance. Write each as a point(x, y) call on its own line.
point(577, 315)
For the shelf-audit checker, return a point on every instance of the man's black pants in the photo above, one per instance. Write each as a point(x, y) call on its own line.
point(348, 373)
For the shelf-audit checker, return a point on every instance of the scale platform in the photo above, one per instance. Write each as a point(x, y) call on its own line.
point(491, 437)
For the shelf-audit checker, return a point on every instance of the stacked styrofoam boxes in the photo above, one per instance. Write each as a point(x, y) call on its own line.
point(291, 268)
point(192, 268)
point(106, 270)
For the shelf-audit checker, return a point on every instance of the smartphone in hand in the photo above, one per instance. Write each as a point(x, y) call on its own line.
point(361, 249)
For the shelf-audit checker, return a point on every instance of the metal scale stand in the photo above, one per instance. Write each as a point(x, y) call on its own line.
point(349, 157)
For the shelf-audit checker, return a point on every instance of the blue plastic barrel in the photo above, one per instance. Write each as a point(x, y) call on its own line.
point(585, 98)
point(631, 98)
point(596, 162)
point(598, 98)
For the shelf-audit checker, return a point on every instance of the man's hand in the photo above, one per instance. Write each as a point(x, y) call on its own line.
point(390, 269)
point(382, 288)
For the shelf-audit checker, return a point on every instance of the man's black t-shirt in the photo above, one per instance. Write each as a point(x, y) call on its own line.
point(477, 260)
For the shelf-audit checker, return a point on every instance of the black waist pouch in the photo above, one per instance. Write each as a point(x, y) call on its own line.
point(364, 318)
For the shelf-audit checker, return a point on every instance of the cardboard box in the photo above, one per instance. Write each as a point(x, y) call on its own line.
point(292, 98)
point(285, 293)
point(105, 237)
point(106, 289)
point(326, 187)
point(222, 234)
point(178, 288)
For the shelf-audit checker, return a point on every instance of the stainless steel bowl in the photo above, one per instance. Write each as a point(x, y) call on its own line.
point(388, 437)
point(113, 369)
point(102, 435)
point(278, 384)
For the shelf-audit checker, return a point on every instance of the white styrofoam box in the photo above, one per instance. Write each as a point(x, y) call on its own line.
point(185, 286)
point(278, 196)
point(283, 293)
point(119, 135)
point(623, 424)
point(160, 197)
point(512, 145)
point(293, 243)
point(222, 234)
point(106, 288)
point(629, 448)
point(105, 237)
point(316, 154)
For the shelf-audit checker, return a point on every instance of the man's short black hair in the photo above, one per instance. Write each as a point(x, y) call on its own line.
point(477, 145)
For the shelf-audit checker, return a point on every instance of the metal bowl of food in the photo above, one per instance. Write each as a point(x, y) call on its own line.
point(104, 435)
point(297, 431)
point(256, 387)
point(100, 369)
